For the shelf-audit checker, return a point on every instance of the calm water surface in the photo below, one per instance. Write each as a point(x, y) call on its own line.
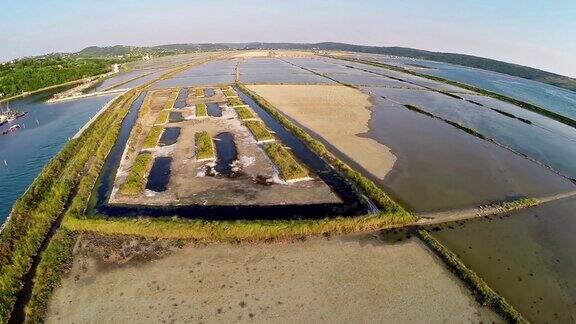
point(529, 258)
point(556, 99)
point(45, 130)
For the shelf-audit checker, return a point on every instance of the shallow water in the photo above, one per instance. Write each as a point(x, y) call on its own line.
point(45, 130)
point(169, 136)
point(194, 81)
point(212, 73)
point(116, 79)
point(556, 99)
point(528, 258)
point(159, 176)
point(175, 117)
point(553, 143)
point(214, 109)
point(441, 167)
point(209, 93)
point(275, 71)
point(225, 152)
point(181, 100)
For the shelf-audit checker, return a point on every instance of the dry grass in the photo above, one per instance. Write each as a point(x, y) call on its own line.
point(240, 230)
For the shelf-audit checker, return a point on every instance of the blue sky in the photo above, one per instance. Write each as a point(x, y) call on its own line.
point(541, 34)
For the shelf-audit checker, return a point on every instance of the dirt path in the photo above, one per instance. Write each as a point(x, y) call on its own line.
point(349, 279)
point(461, 214)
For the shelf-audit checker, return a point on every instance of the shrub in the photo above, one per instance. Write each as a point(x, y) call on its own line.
point(136, 179)
point(201, 110)
point(244, 112)
point(152, 138)
point(287, 164)
point(260, 132)
point(204, 146)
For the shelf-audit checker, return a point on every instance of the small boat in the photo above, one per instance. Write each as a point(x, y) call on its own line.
point(12, 129)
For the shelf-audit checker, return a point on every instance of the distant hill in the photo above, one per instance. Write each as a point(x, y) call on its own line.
point(460, 59)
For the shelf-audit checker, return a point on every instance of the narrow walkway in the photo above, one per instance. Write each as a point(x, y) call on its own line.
point(88, 95)
point(462, 214)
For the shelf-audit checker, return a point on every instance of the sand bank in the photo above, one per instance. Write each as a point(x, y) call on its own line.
point(336, 113)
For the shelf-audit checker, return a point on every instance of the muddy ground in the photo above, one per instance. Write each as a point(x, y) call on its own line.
point(344, 279)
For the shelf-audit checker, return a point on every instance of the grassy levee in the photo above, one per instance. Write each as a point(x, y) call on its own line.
point(375, 193)
point(289, 167)
point(542, 111)
point(244, 112)
point(229, 92)
point(233, 231)
point(35, 212)
point(201, 110)
point(461, 127)
point(55, 259)
point(152, 139)
point(259, 130)
point(169, 104)
point(162, 117)
point(136, 179)
point(204, 146)
point(485, 294)
point(235, 101)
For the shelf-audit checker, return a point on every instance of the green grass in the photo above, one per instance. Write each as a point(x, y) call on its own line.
point(201, 110)
point(487, 296)
point(35, 212)
point(153, 136)
point(375, 193)
point(30, 74)
point(244, 113)
point(204, 146)
point(235, 101)
point(199, 92)
point(54, 261)
point(260, 132)
point(162, 117)
point(289, 167)
point(520, 203)
point(229, 92)
point(136, 179)
point(68, 178)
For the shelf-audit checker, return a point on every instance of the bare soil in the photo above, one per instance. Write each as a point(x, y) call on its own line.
point(345, 279)
point(189, 182)
point(336, 113)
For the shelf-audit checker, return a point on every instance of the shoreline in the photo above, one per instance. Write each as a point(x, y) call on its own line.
point(28, 93)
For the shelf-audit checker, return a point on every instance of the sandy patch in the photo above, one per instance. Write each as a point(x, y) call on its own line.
point(338, 114)
point(338, 280)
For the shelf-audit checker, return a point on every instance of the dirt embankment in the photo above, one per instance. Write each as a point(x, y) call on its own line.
point(350, 279)
point(338, 114)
